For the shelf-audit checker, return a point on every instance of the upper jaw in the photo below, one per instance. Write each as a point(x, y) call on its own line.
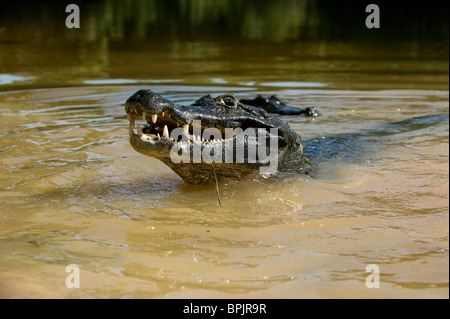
point(159, 126)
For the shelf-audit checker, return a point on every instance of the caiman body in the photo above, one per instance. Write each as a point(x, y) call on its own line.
point(213, 138)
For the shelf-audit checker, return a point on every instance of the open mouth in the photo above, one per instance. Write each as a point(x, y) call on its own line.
point(164, 128)
point(160, 127)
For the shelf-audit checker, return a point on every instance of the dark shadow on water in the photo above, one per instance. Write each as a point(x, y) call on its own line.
point(247, 20)
point(237, 40)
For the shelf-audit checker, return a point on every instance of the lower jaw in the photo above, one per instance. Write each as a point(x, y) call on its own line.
point(204, 173)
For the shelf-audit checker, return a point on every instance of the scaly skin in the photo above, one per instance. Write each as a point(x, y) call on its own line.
point(273, 104)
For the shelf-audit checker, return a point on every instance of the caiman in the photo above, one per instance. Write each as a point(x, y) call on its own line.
point(214, 138)
point(273, 104)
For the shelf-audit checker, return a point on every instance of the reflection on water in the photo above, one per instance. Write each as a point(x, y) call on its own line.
point(74, 192)
point(235, 41)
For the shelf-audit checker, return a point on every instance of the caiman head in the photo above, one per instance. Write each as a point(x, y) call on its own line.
point(213, 138)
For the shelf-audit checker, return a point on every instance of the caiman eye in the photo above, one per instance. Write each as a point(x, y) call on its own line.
point(228, 101)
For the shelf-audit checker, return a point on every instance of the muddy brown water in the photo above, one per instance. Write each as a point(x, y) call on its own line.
point(73, 191)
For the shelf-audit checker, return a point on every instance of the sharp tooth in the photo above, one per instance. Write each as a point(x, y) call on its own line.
point(198, 138)
point(158, 136)
point(154, 117)
point(166, 131)
point(131, 119)
point(139, 131)
point(186, 129)
point(130, 129)
point(193, 138)
point(144, 116)
point(163, 113)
